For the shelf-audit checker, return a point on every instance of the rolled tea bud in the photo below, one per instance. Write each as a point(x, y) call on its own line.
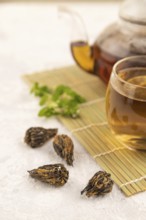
point(38, 136)
point(64, 147)
point(53, 174)
point(99, 184)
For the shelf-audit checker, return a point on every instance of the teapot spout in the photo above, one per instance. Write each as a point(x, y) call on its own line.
point(80, 48)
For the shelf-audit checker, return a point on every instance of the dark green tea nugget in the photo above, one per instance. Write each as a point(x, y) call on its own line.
point(99, 184)
point(64, 147)
point(38, 136)
point(53, 174)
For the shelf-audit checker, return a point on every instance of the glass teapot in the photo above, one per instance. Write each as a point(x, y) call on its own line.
point(126, 37)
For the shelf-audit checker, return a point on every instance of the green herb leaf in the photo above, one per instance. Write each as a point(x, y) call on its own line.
point(61, 101)
point(62, 89)
point(47, 112)
point(40, 91)
point(44, 99)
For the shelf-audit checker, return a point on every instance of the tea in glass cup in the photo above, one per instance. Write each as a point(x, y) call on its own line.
point(126, 101)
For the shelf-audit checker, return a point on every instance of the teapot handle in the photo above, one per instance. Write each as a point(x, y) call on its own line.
point(76, 23)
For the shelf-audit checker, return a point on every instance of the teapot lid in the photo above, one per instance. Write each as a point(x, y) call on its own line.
point(134, 11)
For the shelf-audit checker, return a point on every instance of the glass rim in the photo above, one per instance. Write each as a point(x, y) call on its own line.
point(114, 70)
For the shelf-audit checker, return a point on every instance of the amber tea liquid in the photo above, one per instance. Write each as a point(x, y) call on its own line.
point(126, 107)
point(93, 59)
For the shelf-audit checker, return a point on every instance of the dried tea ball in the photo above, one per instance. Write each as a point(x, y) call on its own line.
point(38, 136)
point(99, 184)
point(64, 147)
point(53, 174)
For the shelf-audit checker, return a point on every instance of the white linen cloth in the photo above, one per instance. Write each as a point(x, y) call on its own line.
point(33, 39)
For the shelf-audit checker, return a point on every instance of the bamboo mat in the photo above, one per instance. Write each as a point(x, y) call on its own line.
point(127, 167)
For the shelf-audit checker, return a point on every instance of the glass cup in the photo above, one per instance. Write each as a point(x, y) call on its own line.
point(126, 101)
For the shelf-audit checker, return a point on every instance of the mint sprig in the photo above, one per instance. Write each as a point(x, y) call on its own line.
point(60, 101)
